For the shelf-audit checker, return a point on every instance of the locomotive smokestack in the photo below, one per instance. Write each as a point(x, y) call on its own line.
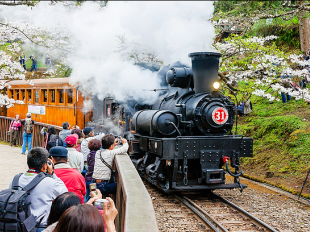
point(205, 67)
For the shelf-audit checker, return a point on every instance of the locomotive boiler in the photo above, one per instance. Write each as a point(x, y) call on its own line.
point(185, 140)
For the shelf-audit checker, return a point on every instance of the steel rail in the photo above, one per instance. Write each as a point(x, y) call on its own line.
point(192, 208)
point(247, 214)
point(206, 213)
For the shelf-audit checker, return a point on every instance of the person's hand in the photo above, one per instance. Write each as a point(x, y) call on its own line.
point(91, 200)
point(124, 140)
point(96, 193)
point(109, 214)
point(50, 167)
point(116, 142)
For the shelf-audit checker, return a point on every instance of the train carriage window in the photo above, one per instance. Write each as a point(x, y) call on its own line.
point(23, 95)
point(61, 96)
point(52, 95)
point(11, 93)
point(29, 95)
point(37, 96)
point(70, 96)
point(44, 95)
point(16, 97)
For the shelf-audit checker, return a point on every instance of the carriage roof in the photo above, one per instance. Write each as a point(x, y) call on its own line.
point(41, 81)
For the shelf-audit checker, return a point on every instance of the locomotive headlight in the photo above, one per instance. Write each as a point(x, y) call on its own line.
point(216, 85)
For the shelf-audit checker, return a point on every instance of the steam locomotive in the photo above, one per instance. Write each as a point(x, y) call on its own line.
point(182, 141)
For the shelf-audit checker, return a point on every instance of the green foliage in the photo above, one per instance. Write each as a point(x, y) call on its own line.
point(286, 30)
point(281, 138)
point(237, 8)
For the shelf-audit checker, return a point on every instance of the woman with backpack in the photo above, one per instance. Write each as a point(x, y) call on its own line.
point(16, 124)
point(50, 138)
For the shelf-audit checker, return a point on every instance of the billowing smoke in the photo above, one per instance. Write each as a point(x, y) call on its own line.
point(108, 41)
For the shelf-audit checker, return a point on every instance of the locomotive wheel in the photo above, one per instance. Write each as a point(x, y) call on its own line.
point(150, 169)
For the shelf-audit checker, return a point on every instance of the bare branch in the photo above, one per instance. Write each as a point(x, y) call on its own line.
point(42, 45)
point(3, 24)
point(13, 3)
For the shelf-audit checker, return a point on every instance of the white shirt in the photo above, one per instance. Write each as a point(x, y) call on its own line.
point(84, 145)
point(42, 196)
point(101, 171)
point(76, 159)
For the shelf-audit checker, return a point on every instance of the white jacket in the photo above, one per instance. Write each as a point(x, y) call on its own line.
point(84, 145)
point(76, 159)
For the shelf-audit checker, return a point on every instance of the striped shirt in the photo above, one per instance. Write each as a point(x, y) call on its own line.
point(101, 171)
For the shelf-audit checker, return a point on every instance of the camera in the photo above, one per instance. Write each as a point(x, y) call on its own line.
point(92, 187)
point(99, 203)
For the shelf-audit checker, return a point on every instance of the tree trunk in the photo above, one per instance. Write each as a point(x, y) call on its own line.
point(303, 29)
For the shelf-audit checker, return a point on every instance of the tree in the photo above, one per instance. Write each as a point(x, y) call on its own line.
point(245, 14)
point(262, 67)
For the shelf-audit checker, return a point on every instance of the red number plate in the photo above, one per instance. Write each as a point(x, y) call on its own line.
point(220, 115)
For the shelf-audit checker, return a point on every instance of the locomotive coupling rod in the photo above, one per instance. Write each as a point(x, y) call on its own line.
point(255, 219)
point(196, 212)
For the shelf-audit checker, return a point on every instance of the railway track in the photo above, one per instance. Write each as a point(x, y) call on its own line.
point(222, 215)
point(201, 212)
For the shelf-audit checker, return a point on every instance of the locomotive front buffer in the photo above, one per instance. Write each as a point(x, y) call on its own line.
point(192, 163)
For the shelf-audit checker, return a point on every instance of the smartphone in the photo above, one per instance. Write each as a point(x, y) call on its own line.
point(93, 187)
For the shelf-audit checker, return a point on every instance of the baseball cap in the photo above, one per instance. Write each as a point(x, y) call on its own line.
point(71, 139)
point(58, 151)
point(28, 115)
point(87, 130)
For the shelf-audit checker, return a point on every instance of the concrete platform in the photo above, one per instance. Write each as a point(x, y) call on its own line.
point(12, 162)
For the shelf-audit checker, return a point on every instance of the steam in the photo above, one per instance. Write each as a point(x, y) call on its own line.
point(104, 39)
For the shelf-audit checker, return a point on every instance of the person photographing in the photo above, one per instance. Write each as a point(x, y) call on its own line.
point(104, 161)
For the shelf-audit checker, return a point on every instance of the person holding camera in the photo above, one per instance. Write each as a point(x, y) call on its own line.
point(71, 177)
point(104, 161)
point(43, 194)
point(63, 202)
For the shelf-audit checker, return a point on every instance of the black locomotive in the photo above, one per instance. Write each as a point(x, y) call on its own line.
point(183, 142)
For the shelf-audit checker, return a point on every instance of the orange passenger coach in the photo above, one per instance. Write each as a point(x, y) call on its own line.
point(50, 101)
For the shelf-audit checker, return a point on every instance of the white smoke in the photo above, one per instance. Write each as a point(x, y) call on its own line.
point(170, 30)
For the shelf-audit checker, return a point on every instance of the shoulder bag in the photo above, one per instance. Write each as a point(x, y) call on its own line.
point(112, 178)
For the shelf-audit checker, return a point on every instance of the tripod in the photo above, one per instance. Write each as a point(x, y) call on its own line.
point(303, 185)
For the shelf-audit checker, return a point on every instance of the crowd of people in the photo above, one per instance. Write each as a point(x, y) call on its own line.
point(77, 170)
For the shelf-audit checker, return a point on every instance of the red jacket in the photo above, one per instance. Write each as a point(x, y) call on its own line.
point(72, 178)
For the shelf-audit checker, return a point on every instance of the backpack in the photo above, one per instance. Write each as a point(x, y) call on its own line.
point(54, 141)
point(15, 214)
point(28, 125)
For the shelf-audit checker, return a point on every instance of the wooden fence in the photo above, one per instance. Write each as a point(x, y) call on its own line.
point(37, 138)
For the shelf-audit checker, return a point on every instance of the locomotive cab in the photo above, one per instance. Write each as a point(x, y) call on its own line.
point(183, 141)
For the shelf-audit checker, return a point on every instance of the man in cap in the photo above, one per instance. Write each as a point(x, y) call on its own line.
point(72, 178)
point(34, 64)
point(76, 159)
point(27, 134)
point(89, 135)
